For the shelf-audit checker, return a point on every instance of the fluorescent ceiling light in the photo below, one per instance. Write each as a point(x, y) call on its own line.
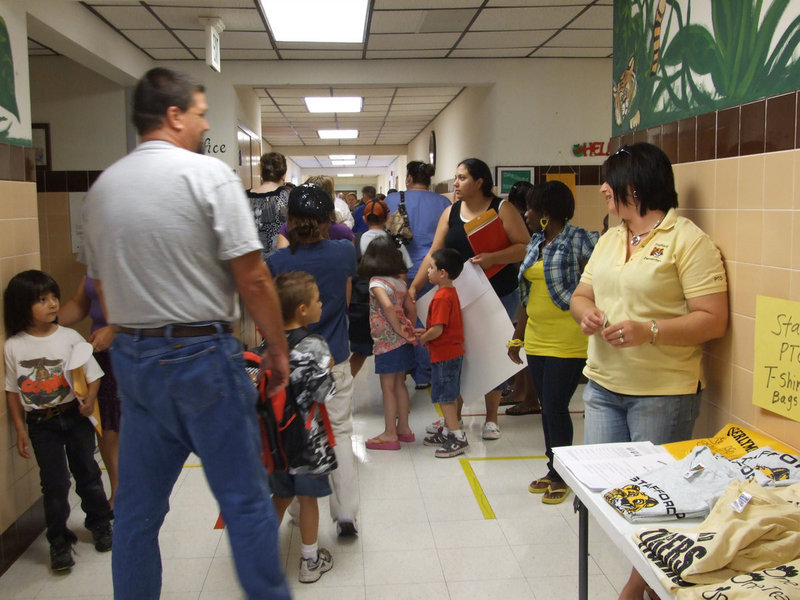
point(333, 134)
point(334, 104)
point(342, 156)
point(345, 174)
point(343, 163)
point(316, 20)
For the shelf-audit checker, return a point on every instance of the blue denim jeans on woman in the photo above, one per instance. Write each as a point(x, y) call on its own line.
point(182, 395)
point(612, 417)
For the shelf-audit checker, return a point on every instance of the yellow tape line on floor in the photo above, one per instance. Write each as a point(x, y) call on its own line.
point(477, 490)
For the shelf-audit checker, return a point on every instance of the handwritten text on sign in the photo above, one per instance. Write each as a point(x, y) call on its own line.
point(776, 375)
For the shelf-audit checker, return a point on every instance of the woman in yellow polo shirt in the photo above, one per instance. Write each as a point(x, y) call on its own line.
point(554, 344)
point(653, 291)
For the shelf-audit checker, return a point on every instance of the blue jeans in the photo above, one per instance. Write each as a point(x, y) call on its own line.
point(182, 395)
point(422, 369)
point(555, 380)
point(612, 417)
point(446, 380)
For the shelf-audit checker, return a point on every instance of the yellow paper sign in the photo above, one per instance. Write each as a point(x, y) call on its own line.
point(776, 372)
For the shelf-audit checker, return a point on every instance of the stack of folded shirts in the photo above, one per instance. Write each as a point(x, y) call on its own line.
point(769, 468)
point(685, 489)
point(750, 543)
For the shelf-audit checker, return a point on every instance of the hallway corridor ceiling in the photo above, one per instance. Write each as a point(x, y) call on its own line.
point(395, 29)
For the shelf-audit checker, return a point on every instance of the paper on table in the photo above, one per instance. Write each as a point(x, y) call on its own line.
point(600, 466)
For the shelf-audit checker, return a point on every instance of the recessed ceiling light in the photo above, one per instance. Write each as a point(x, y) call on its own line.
point(316, 20)
point(342, 156)
point(343, 163)
point(345, 174)
point(332, 134)
point(334, 104)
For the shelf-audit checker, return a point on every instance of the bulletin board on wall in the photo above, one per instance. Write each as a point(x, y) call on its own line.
point(505, 177)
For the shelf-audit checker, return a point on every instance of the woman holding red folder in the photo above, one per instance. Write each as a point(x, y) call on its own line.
point(473, 197)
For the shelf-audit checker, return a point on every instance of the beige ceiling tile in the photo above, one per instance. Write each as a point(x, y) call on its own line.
point(507, 19)
point(244, 39)
point(548, 52)
point(511, 39)
point(545, 3)
point(129, 17)
point(420, 41)
point(192, 38)
point(170, 54)
point(298, 91)
point(490, 52)
point(418, 92)
point(381, 54)
point(151, 38)
point(585, 38)
point(247, 54)
point(396, 21)
point(235, 19)
point(597, 17)
point(200, 3)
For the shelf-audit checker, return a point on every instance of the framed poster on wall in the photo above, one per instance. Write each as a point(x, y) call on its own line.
point(40, 134)
point(505, 177)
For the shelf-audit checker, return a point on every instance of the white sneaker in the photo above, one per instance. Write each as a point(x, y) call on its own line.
point(491, 431)
point(437, 425)
point(311, 571)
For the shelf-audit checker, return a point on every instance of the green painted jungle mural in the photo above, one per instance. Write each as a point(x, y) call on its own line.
point(678, 58)
point(10, 125)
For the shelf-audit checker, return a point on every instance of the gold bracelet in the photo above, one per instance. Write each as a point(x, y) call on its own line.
point(515, 343)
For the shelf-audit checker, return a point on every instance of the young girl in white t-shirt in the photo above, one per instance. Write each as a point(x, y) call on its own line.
point(39, 394)
point(391, 318)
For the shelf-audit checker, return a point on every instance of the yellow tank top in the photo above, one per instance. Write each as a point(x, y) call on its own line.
point(550, 331)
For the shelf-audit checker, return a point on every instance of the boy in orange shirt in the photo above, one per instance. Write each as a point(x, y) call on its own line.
point(444, 338)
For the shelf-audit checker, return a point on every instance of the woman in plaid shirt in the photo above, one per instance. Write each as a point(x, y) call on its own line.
point(553, 342)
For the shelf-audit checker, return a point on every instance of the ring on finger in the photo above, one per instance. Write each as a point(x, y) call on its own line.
point(620, 334)
point(621, 340)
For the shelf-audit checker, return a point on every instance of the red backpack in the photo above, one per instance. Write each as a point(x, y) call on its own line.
point(286, 440)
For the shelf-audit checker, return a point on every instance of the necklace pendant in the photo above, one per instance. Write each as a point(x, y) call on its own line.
point(635, 239)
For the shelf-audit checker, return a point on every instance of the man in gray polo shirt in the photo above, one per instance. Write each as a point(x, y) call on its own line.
point(170, 239)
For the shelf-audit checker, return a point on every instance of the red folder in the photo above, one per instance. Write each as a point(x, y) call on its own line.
point(485, 233)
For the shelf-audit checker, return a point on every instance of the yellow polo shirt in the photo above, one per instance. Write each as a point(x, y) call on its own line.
point(675, 262)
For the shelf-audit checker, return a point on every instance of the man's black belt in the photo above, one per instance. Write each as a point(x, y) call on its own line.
point(177, 330)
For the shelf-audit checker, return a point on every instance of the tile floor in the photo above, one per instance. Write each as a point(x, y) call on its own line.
point(423, 535)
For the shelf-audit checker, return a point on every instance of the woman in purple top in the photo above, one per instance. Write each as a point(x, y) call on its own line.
point(87, 303)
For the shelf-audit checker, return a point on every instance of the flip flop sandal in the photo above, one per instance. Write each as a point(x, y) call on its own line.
point(520, 409)
point(376, 444)
point(506, 401)
point(557, 495)
point(539, 486)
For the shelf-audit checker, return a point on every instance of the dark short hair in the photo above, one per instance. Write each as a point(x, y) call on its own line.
point(420, 172)
point(294, 288)
point(517, 195)
point(478, 169)
point(22, 292)
point(450, 260)
point(381, 258)
point(273, 166)
point(369, 190)
point(553, 199)
point(645, 171)
point(156, 91)
point(309, 207)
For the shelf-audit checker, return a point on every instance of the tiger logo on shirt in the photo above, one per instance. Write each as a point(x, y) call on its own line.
point(629, 499)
